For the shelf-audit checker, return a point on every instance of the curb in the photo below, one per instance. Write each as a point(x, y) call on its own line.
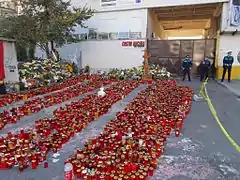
point(234, 91)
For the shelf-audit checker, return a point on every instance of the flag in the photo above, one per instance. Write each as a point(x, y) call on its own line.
point(2, 74)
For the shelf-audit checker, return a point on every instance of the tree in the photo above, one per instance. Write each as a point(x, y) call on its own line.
point(44, 22)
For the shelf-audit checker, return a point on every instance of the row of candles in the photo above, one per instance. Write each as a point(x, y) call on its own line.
point(14, 97)
point(130, 145)
point(30, 148)
point(37, 104)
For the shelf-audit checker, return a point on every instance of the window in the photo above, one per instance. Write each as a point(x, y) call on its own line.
point(123, 35)
point(103, 36)
point(92, 35)
point(135, 35)
point(83, 36)
point(235, 16)
point(105, 3)
point(236, 2)
point(113, 36)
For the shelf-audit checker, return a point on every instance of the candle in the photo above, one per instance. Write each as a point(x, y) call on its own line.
point(45, 164)
point(9, 135)
point(150, 171)
point(96, 114)
point(21, 166)
point(34, 164)
point(3, 163)
point(134, 167)
point(177, 133)
point(78, 173)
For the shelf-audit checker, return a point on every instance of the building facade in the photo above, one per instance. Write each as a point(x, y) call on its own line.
point(116, 34)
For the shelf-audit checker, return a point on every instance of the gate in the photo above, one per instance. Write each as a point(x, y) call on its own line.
point(170, 53)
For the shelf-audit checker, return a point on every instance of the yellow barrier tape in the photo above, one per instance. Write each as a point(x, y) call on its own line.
point(204, 93)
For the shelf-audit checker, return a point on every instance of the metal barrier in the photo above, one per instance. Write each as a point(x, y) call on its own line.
point(204, 93)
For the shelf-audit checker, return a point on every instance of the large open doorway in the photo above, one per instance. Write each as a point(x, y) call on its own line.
point(174, 32)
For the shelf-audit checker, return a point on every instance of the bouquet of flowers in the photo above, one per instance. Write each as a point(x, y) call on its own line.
point(136, 73)
point(44, 71)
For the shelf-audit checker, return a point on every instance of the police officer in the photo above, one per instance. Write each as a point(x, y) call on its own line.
point(186, 66)
point(227, 65)
point(204, 68)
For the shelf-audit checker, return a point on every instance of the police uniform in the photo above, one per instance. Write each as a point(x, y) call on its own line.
point(187, 64)
point(227, 66)
point(204, 68)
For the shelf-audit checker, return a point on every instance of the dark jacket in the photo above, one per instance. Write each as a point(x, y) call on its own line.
point(187, 63)
point(228, 61)
point(206, 63)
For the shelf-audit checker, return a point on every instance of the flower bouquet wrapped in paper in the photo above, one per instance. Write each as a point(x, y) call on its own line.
point(44, 71)
point(137, 72)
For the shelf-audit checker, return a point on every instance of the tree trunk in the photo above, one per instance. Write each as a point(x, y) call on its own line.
point(21, 52)
point(52, 46)
point(47, 51)
point(31, 51)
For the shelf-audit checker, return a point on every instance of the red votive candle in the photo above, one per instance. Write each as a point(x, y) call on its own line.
point(34, 164)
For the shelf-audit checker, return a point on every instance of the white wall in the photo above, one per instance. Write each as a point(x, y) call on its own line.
point(229, 43)
point(10, 62)
point(131, 4)
point(119, 21)
point(154, 26)
point(109, 53)
point(105, 54)
point(226, 18)
point(150, 25)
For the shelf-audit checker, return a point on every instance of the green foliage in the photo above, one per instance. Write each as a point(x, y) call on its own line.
point(44, 21)
point(87, 69)
point(48, 76)
point(31, 51)
point(21, 52)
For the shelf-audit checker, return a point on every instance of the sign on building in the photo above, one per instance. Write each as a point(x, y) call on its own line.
point(235, 13)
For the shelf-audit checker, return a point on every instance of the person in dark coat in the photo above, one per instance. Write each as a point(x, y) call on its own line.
point(227, 65)
point(204, 68)
point(186, 66)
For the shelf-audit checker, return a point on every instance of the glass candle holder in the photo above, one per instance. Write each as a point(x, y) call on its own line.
point(45, 164)
point(21, 167)
point(150, 171)
point(34, 164)
point(177, 133)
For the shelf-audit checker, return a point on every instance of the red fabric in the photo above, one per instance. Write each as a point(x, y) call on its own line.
point(2, 74)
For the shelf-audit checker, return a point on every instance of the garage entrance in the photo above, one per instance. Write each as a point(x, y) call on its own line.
point(170, 53)
point(174, 32)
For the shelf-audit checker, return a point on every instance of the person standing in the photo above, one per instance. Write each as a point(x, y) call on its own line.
point(186, 66)
point(204, 68)
point(227, 65)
